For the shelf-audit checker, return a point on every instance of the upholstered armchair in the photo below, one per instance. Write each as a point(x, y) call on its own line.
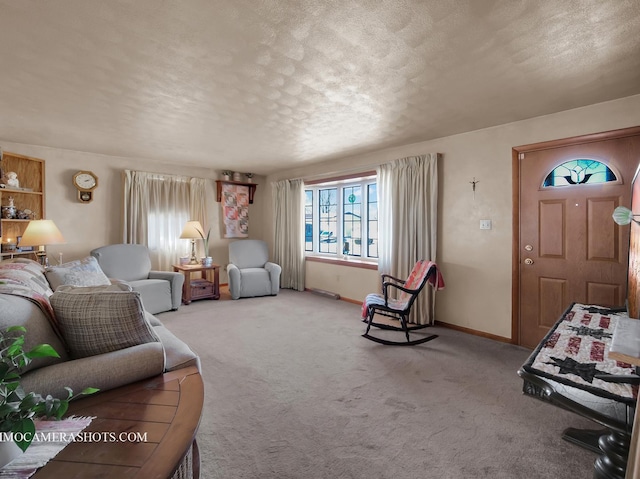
point(250, 272)
point(159, 290)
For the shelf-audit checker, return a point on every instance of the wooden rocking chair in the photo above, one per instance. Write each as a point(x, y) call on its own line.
point(423, 272)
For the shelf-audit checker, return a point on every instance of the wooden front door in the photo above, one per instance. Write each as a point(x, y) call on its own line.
point(570, 250)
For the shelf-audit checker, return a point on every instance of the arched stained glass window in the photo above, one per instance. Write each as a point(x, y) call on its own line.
point(579, 172)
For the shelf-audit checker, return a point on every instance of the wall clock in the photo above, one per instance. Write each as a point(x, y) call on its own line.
point(85, 182)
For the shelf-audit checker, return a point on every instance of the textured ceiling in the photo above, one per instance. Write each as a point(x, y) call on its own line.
point(263, 85)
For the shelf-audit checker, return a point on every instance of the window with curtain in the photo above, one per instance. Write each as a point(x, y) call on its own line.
point(341, 218)
point(156, 209)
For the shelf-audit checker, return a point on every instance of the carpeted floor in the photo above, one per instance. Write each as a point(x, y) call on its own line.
point(293, 391)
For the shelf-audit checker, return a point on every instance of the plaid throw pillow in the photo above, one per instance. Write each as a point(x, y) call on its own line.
point(94, 323)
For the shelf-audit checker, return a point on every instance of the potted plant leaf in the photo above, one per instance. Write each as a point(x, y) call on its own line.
point(207, 260)
point(18, 409)
point(226, 175)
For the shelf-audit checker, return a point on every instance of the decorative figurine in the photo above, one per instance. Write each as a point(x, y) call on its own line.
point(9, 211)
point(12, 179)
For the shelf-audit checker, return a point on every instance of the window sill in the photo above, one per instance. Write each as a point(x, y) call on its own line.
point(353, 263)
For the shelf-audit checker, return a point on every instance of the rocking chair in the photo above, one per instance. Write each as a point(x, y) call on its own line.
point(423, 272)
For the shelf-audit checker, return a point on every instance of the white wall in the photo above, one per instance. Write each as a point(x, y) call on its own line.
point(476, 264)
point(88, 226)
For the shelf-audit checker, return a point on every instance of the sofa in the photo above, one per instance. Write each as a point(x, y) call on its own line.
point(101, 331)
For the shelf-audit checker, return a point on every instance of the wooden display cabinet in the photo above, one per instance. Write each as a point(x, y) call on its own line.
point(28, 196)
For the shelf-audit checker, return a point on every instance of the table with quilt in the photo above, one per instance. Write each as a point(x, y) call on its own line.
point(570, 368)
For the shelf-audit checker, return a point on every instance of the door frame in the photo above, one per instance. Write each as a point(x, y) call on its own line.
point(515, 161)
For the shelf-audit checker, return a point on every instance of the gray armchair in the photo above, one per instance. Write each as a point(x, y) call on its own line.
point(159, 290)
point(250, 272)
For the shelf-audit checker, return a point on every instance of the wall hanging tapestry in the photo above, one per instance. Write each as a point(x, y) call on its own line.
point(235, 209)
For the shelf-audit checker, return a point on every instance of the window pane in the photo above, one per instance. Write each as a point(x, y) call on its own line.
point(327, 215)
point(308, 220)
point(579, 172)
point(372, 224)
point(352, 220)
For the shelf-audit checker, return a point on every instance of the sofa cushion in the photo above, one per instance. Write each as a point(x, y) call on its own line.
point(19, 311)
point(155, 294)
point(98, 322)
point(104, 371)
point(177, 353)
point(82, 272)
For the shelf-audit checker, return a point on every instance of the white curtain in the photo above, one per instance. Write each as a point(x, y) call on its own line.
point(198, 207)
point(156, 208)
point(408, 219)
point(288, 201)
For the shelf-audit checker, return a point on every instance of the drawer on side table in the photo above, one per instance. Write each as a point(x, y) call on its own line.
point(201, 288)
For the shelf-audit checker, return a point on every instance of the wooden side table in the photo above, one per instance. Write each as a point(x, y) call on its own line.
point(165, 408)
point(207, 286)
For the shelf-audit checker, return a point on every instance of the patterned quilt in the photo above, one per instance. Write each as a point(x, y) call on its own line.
point(419, 271)
point(576, 350)
point(25, 278)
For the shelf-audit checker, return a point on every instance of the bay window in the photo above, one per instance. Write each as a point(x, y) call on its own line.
point(341, 218)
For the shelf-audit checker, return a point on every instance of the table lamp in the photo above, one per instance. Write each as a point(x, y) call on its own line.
point(192, 230)
point(41, 233)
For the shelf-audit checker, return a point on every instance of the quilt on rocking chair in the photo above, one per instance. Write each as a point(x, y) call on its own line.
point(399, 308)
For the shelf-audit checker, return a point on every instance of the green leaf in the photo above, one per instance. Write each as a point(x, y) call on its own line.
point(28, 430)
point(7, 409)
point(13, 350)
point(30, 401)
point(62, 409)
point(13, 329)
point(43, 351)
point(88, 391)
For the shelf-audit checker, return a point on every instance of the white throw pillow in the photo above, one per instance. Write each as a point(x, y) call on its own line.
point(82, 272)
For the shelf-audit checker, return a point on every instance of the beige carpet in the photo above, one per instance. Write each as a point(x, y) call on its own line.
point(293, 391)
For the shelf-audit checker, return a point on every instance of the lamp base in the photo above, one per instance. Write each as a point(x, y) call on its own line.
point(193, 260)
point(42, 258)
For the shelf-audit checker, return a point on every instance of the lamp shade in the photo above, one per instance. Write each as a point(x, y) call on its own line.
point(41, 232)
point(193, 229)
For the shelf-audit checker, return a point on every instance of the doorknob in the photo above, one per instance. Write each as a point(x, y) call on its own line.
point(528, 261)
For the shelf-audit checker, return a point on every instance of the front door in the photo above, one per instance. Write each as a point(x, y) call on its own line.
point(570, 250)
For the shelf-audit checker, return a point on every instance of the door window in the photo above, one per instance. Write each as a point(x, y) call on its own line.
point(580, 172)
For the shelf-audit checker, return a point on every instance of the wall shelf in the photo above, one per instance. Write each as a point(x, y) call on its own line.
point(219, 183)
point(29, 196)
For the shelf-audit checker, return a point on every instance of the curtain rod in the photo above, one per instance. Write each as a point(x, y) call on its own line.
point(340, 177)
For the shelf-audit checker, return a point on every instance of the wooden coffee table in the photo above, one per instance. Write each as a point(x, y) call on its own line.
point(166, 407)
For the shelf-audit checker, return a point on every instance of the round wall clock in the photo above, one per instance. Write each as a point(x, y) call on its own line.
point(85, 182)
